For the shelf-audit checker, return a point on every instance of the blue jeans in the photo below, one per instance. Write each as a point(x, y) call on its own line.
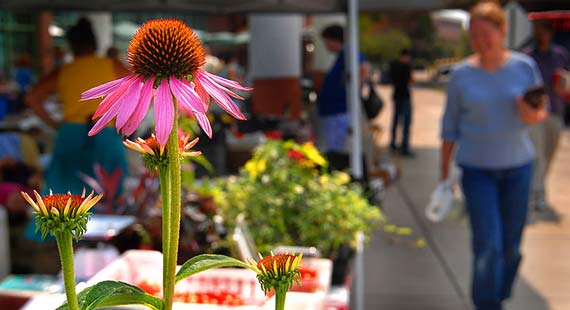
point(402, 110)
point(335, 130)
point(497, 202)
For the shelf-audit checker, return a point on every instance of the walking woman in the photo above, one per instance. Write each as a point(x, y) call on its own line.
point(486, 118)
point(74, 152)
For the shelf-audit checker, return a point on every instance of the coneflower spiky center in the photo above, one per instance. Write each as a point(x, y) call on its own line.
point(59, 201)
point(280, 260)
point(153, 144)
point(165, 48)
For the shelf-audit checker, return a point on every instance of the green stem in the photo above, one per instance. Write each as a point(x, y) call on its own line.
point(65, 247)
point(164, 177)
point(280, 295)
point(175, 188)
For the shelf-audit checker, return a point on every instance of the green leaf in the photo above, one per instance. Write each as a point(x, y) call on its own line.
point(112, 293)
point(207, 261)
point(204, 162)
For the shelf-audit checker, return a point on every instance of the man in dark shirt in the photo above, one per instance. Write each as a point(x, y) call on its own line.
point(332, 101)
point(401, 77)
point(550, 59)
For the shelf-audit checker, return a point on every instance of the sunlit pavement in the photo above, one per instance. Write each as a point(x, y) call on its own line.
point(399, 275)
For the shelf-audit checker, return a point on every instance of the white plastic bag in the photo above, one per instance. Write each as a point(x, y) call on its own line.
point(441, 202)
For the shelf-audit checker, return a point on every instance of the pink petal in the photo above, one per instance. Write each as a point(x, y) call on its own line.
point(142, 108)
point(129, 102)
point(223, 81)
point(164, 112)
point(103, 89)
point(212, 81)
point(110, 100)
point(223, 100)
point(186, 95)
point(204, 122)
point(103, 121)
point(202, 93)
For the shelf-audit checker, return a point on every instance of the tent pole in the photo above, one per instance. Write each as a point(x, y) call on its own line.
point(354, 91)
point(356, 154)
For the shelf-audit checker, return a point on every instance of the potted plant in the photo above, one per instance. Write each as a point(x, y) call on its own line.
point(286, 196)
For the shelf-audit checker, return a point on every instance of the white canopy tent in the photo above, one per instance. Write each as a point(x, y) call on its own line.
point(350, 7)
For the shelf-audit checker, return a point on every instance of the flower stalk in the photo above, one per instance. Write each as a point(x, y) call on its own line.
point(65, 247)
point(174, 225)
point(280, 294)
point(164, 177)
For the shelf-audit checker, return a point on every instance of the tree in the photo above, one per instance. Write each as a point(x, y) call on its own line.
point(381, 44)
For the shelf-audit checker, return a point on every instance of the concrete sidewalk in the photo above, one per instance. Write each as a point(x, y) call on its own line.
point(399, 275)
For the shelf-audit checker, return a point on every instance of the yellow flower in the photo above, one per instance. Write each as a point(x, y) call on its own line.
point(62, 212)
point(307, 163)
point(250, 167)
point(341, 178)
point(261, 165)
point(255, 167)
point(313, 154)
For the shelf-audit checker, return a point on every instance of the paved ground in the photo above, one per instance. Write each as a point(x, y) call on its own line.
point(400, 276)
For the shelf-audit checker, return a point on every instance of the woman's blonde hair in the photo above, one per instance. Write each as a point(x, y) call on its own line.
point(490, 11)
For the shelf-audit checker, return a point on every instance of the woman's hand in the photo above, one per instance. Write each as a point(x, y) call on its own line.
point(530, 115)
point(562, 88)
point(446, 154)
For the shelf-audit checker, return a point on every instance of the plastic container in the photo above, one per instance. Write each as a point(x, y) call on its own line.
point(136, 266)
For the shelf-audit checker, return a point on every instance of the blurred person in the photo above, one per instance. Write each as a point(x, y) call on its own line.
point(332, 100)
point(551, 59)
point(213, 64)
point(20, 170)
point(24, 77)
point(401, 78)
point(113, 53)
point(8, 95)
point(59, 57)
point(74, 151)
point(232, 69)
point(486, 117)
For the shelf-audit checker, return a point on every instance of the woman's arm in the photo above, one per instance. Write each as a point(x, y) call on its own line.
point(38, 94)
point(364, 71)
point(446, 153)
point(530, 115)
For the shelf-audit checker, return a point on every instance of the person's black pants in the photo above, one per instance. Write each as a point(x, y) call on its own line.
point(403, 112)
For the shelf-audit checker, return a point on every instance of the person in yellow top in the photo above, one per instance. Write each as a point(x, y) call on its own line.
point(76, 153)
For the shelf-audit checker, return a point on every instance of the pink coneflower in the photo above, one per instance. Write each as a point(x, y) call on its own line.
point(166, 57)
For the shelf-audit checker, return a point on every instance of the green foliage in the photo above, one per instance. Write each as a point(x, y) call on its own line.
point(447, 49)
point(60, 223)
point(287, 198)
point(111, 293)
point(384, 46)
point(207, 261)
